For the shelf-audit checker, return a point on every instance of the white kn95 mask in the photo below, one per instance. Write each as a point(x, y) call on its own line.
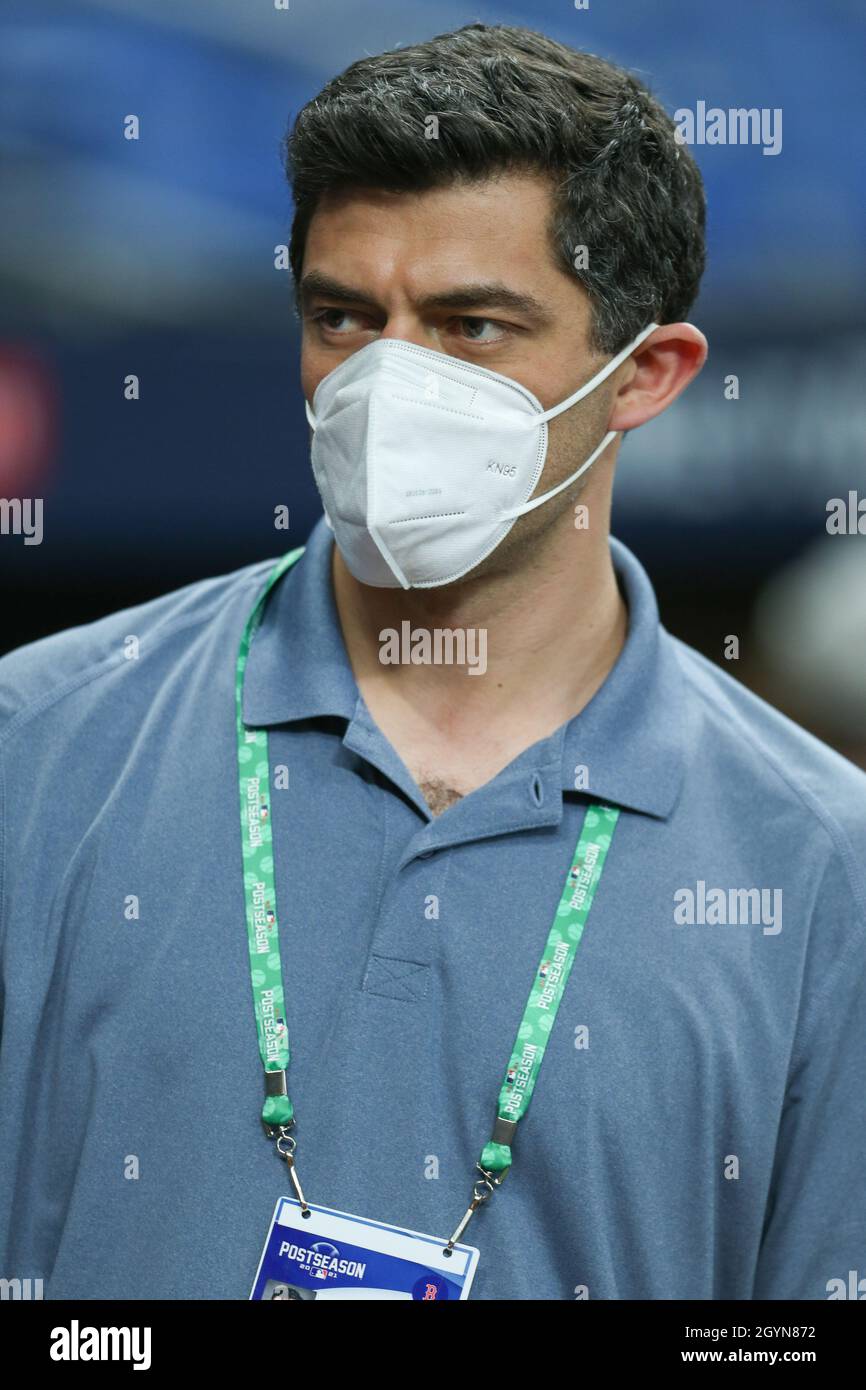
point(424, 462)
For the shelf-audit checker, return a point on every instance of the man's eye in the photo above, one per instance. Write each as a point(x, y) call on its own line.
point(335, 320)
point(475, 329)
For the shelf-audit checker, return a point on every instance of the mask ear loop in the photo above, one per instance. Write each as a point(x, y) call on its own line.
point(524, 507)
point(599, 377)
point(578, 395)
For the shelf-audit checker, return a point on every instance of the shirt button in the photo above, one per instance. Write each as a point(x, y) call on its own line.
point(536, 790)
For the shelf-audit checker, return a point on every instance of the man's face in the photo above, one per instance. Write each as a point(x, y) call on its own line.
point(467, 270)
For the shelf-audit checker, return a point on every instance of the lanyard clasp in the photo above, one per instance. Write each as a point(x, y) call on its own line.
point(286, 1145)
point(275, 1086)
point(481, 1192)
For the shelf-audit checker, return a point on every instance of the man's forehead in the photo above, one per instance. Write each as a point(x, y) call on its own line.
point(485, 232)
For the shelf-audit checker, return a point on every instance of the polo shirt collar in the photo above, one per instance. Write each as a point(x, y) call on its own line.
point(631, 737)
point(298, 666)
point(625, 747)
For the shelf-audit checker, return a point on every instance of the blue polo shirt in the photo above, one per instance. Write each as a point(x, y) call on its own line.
point(698, 1129)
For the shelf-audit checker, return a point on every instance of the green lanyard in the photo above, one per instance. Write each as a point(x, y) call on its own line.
point(260, 896)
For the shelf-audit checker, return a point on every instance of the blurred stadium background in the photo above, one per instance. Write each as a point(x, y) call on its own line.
point(156, 257)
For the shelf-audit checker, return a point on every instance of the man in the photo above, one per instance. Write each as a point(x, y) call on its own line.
point(486, 224)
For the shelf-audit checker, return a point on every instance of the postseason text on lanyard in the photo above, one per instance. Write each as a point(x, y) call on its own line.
point(260, 896)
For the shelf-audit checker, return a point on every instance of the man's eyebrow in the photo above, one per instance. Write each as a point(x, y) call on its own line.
point(470, 296)
point(487, 295)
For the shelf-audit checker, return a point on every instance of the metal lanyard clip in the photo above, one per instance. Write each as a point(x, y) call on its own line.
point(275, 1085)
point(481, 1193)
point(286, 1145)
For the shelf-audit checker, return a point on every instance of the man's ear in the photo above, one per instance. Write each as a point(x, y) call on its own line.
point(663, 366)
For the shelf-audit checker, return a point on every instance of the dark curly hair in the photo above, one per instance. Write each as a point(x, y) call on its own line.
point(512, 99)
